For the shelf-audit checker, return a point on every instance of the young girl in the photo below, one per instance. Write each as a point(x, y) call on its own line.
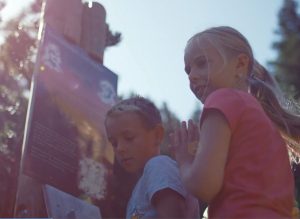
point(134, 128)
point(241, 166)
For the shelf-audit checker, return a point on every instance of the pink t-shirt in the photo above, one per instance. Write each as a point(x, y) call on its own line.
point(258, 181)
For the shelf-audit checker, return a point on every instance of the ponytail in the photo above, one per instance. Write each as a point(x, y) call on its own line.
point(284, 112)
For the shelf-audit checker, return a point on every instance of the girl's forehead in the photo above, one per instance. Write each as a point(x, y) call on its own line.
point(123, 113)
point(204, 48)
point(197, 42)
point(197, 46)
point(124, 118)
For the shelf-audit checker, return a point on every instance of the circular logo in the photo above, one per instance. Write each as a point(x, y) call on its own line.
point(107, 92)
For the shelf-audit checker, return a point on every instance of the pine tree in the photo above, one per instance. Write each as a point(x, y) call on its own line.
point(170, 122)
point(17, 59)
point(287, 65)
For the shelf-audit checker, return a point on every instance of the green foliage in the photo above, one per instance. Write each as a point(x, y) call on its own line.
point(112, 38)
point(170, 122)
point(287, 66)
point(17, 58)
point(16, 67)
point(196, 114)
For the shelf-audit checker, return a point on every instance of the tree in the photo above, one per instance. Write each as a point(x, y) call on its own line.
point(17, 59)
point(286, 66)
point(170, 122)
point(15, 68)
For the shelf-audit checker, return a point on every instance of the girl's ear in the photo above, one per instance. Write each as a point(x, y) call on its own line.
point(242, 65)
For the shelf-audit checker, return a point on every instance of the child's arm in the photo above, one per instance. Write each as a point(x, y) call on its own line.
point(203, 176)
point(169, 204)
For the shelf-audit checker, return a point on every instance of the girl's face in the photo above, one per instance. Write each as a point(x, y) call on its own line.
point(208, 69)
point(134, 144)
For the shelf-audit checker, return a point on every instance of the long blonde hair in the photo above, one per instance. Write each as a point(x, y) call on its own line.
point(284, 112)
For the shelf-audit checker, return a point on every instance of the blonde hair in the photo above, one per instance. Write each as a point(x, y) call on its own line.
point(282, 111)
point(145, 108)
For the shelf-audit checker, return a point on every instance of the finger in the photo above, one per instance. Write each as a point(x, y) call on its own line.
point(197, 131)
point(183, 133)
point(177, 146)
point(191, 131)
point(194, 130)
point(192, 137)
point(177, 138)
point(174, 138)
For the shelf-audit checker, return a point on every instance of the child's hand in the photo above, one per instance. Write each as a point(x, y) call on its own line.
point(184, 142)
point(193, 137)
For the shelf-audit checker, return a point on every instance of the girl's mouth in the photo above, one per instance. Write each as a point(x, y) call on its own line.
point(126, 161)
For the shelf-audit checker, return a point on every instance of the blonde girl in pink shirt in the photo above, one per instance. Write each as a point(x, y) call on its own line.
point(241, 167)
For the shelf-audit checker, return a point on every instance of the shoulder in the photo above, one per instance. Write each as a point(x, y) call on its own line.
point(161, 161)
point(228, 95)
point(231, 103)
point(162, 172)
point(161, 166)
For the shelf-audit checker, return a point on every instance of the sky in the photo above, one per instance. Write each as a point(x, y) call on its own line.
point(149, 59)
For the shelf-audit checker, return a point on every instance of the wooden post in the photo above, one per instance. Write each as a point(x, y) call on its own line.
point(65, 17)
point(54, 15)
point(72, 28)
point(80, 24)
point(94, 31)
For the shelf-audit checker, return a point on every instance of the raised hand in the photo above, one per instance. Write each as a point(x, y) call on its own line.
point(193, 137)
point(184, 142)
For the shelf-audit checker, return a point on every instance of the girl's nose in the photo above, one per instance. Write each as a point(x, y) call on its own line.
point(198, 75)
point(193, 76)
point(120, 148)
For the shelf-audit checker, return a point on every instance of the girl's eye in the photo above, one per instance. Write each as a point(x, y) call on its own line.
point(200, 63)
